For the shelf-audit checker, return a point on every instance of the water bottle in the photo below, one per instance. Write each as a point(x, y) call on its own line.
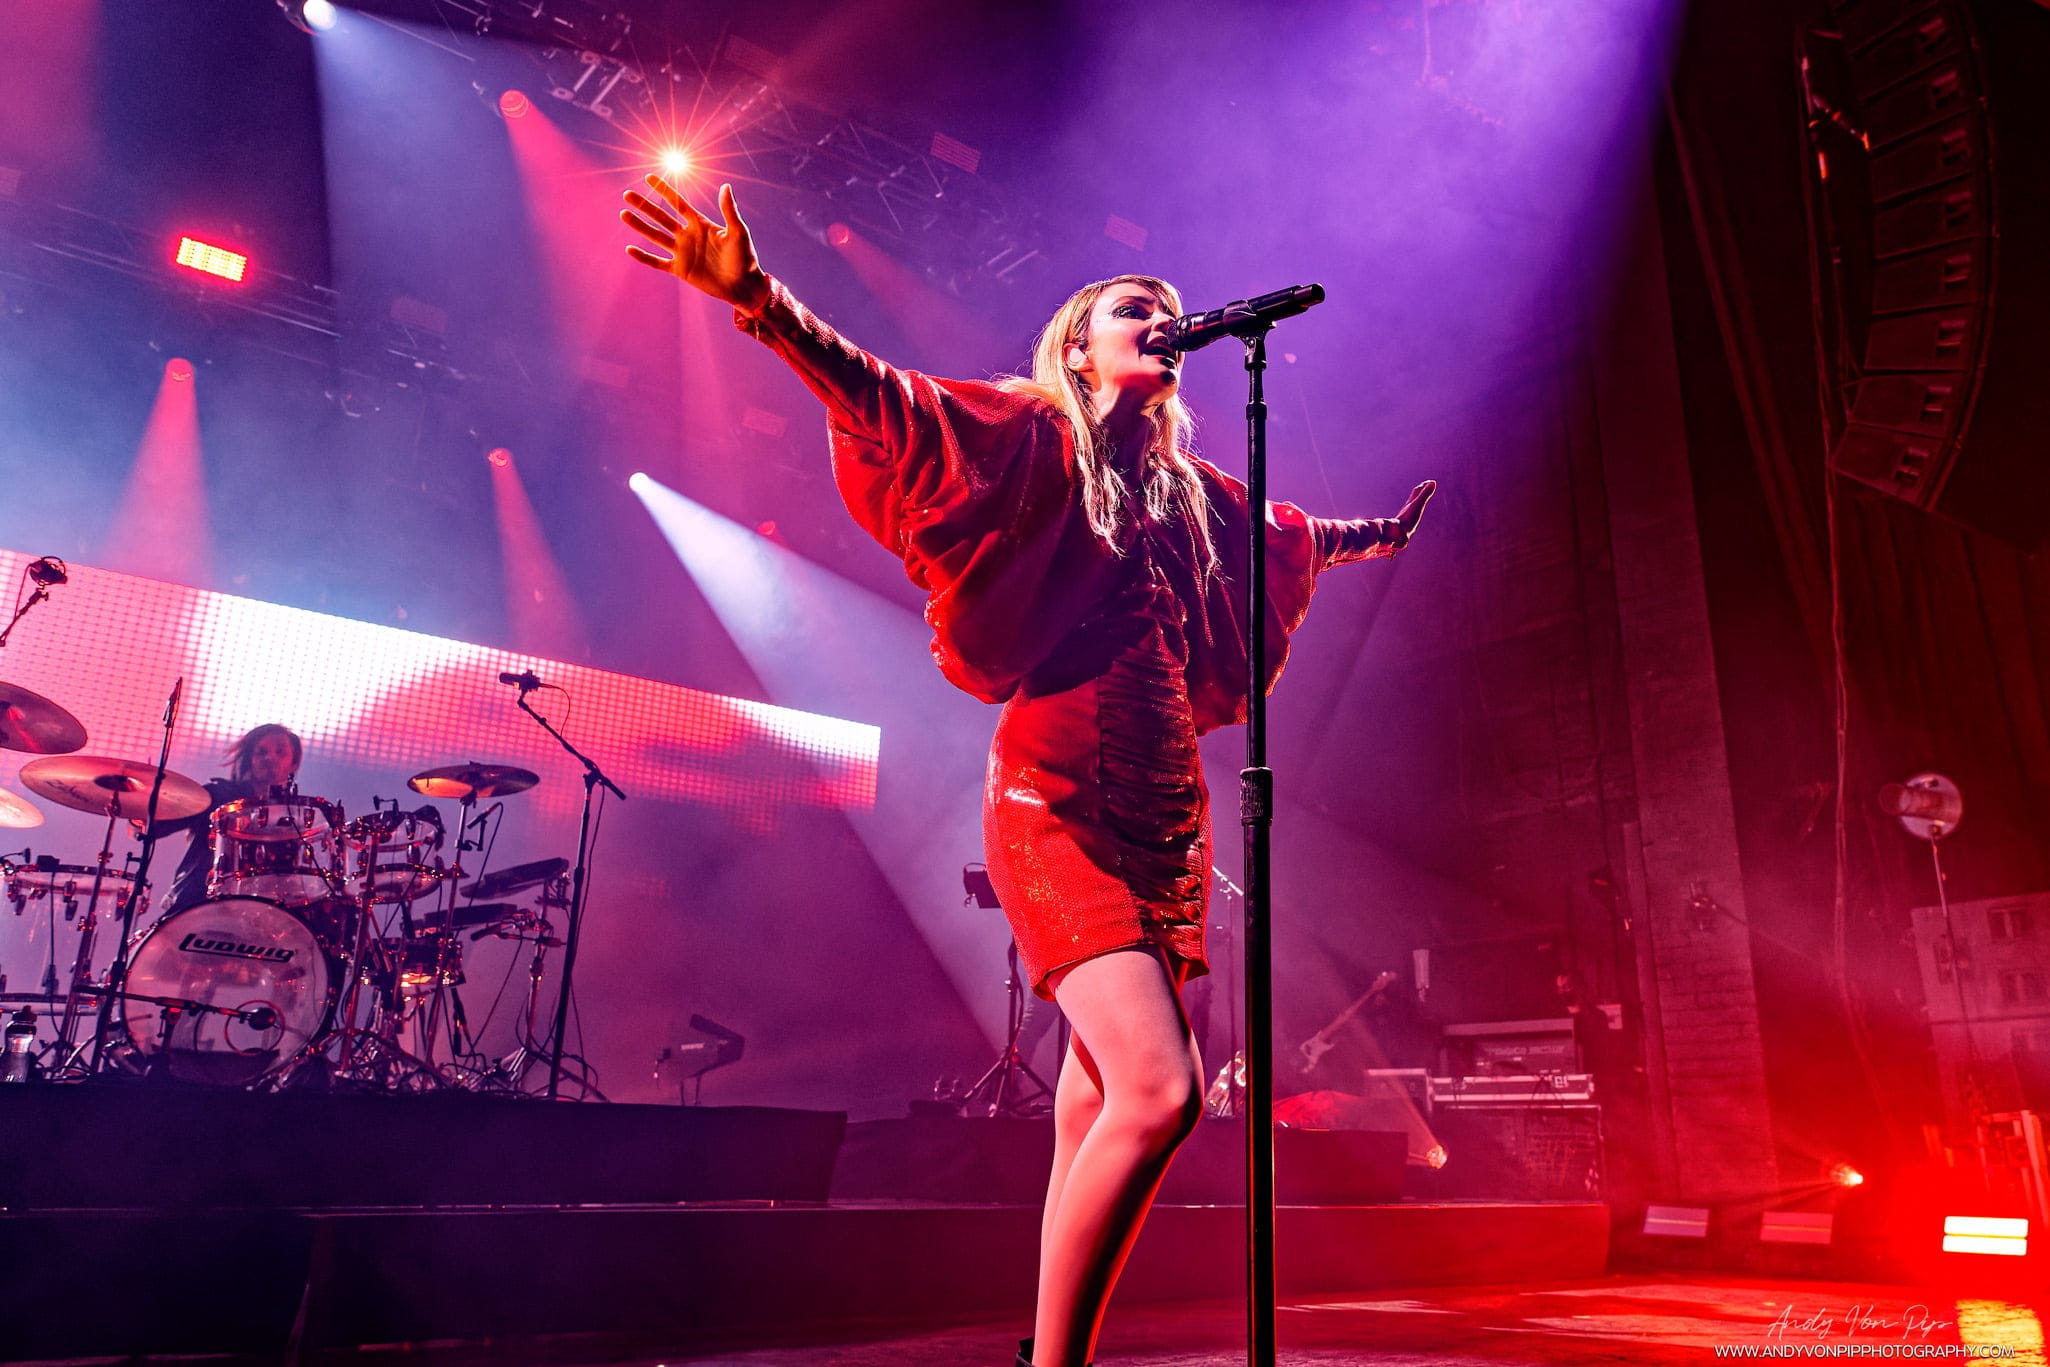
point(20, 1058)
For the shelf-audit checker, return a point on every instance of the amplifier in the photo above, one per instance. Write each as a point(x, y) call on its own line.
point(1532, 1089)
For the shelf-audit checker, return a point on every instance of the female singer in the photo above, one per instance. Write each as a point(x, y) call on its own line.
point(1085, 569)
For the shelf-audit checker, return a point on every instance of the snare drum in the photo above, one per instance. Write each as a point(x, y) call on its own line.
point(407, 846)
point(282, 848)
point(239, 953)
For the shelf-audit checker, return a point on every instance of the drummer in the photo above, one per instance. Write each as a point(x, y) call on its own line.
point(261, 764)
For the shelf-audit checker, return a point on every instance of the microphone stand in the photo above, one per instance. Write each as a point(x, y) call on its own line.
point(593, 776)
point(1250, 320)
point(41, 595)
point(44, 573)
point(1256, 817)
point(117, 972)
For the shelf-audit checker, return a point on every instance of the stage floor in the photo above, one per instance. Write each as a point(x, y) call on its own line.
point(1619, 1319)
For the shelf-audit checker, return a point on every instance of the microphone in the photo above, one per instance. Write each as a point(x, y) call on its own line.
point(262, 1019)
point(1917, 802)
point(1241, 317)
point(171, 708)
point(526, 680)
point(48, 570)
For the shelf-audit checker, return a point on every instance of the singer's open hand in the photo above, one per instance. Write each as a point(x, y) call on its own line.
point(1413, 508)
point(718, 258)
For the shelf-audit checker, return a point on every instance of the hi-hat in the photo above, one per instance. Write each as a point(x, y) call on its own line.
point(485, 781)
point(32, 723)
point(17, 812)
point(116, 787)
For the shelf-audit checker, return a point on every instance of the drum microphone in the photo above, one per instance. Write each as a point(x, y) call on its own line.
point(262, 1019)
point(1241, 317)
point(526, 680)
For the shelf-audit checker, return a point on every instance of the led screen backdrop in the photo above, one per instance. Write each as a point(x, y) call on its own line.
point(109, 648)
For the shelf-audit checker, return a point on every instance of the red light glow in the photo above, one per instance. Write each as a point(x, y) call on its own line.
point(499, 456)
point(767, 528)
point(839, 234)
point(179, 369)
point(1844, 1175)
point(675, 162)
point(513, 104)
point(208, 259)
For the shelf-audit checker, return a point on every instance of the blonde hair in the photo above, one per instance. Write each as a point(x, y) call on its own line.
point(1169, 474)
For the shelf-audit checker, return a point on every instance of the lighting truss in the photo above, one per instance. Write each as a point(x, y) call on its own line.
point(940, 213)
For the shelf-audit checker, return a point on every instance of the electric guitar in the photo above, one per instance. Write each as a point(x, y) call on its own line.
point(1316, 1046)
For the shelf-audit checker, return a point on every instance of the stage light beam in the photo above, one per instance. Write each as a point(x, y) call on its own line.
point(161, 529)
point(675, 162)
point(513, 104)
point(787, 614)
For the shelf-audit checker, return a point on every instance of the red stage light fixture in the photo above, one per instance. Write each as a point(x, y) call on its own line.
point(767, 528)
point(838, 234)
point(499, 456)
point(1844, 1175)
point(179, 369)
point(513, 104)
point(208, 259)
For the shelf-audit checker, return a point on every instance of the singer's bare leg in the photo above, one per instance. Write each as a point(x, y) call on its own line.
point(1130, 1091)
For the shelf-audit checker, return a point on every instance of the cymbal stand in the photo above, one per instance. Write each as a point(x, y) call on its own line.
point(117, 971)
point(82, 963)
point(447, 994)
point(1003, 1075)
point(593, 776)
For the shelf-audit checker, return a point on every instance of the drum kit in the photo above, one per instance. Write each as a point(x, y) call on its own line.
point(324, 947)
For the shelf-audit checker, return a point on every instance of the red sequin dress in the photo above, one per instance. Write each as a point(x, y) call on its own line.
point(1096, 820)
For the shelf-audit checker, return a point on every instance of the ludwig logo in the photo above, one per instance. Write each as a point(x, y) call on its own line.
point(199, 942)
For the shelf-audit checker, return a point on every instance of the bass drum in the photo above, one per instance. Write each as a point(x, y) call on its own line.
point(244, 954)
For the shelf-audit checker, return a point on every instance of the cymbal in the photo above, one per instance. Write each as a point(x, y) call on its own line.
point(473, 780)
point(92, 783)
point(17, 812)
point(31, 722)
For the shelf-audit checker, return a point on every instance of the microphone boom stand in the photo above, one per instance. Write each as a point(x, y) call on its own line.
point(593, 776)
point(117, 972)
